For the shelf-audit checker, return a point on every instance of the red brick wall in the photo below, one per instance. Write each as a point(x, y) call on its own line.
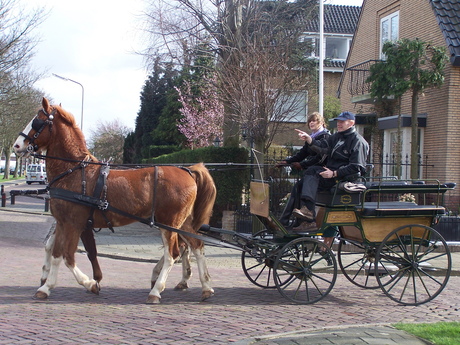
point(442, 105)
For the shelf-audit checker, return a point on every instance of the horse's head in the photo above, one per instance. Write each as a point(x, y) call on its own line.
point(36, 135)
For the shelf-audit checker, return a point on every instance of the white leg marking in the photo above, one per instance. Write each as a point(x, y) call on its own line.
point(156, 270)
point(82, 278)
point(186, 268)
point(205, 277)
point(48, 250)
point(160, 283)
point(52, 277)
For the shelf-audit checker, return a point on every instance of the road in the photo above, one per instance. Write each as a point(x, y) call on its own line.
point(239, 313)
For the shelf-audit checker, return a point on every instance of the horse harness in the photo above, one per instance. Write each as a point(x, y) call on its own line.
point(99, 198)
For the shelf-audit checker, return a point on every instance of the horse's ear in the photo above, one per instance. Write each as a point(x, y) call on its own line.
point(46, 105)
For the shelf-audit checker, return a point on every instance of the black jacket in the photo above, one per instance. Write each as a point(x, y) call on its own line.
point(308, 157)
point(347, 152)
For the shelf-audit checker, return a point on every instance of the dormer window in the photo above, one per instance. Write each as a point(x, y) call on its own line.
point(336, 48)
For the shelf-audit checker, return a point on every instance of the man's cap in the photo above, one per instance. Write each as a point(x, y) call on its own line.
point(346, 115)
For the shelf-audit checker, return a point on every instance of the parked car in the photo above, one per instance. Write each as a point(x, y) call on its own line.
point(36, 173)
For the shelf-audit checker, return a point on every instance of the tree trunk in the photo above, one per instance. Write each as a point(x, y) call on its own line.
point(399, 143)
point(8, 151)
point(414, 137)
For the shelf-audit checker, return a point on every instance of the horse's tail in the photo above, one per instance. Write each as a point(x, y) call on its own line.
point(206, 196)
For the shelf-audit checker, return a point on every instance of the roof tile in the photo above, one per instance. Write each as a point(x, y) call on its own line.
point(337, 19)
point(448, 16)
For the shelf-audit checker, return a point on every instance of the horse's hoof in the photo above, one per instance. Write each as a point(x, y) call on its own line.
point(153, 299)
point(96, 288)
point(40, 295)
point(181, 286)
point(206, 294)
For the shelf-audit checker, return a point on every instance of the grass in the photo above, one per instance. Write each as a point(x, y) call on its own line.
point(2, 179)
point(440, 333)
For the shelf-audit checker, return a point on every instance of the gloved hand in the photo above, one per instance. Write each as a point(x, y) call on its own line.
point(281, 164)
point(296, 166)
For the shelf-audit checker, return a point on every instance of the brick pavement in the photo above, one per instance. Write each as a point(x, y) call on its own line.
point(239, 312)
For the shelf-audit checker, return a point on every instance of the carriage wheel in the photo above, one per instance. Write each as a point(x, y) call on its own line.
point(305, 270)
point(414, 264)
point(357, 262)
point(258, 264)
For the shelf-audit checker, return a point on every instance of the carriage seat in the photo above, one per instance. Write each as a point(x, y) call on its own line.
point(338, 196)
point(398, 208)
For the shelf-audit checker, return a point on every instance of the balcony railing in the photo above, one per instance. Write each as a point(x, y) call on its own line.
point(359, 73)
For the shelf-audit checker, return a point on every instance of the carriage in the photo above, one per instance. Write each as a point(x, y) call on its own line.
point(382, 243)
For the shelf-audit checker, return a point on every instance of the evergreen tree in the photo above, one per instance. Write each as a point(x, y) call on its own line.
point(153, 100)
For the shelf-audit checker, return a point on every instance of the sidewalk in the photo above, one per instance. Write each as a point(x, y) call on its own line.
point(139, 242)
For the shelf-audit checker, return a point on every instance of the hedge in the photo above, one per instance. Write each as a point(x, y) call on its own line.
point(230, 179)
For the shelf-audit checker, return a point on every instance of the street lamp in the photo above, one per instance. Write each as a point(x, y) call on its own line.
point(217, 142)
point(82, 95)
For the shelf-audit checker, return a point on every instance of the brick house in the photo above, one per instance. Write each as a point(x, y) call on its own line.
point(339, 25)
point(433, 21)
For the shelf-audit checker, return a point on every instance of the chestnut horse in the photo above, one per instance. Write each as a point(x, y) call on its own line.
point(174, 197)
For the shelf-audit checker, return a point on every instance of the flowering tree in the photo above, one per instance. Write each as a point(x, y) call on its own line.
point(203, 115)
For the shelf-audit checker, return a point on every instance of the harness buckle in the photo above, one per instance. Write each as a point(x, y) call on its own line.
point(103, 205)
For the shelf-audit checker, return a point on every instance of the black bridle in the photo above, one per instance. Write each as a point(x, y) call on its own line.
point(38, 125)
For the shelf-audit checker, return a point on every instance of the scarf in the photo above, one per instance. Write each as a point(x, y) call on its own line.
point(318, 132)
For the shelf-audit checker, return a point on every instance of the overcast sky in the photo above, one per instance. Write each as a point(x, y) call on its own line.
point(92, 42)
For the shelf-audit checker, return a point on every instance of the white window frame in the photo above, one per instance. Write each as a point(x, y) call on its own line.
point(393, 32)
point(389, 142)
point(314, 41)
point(296, 111)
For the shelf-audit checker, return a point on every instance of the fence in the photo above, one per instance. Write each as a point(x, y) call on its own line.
point(387, 165)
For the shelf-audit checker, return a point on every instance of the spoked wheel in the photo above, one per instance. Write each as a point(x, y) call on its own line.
point(357, 263)
point(413, 264)
point(258, 264)
point(305, 270)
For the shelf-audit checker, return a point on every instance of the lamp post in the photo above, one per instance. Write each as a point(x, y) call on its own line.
point(216, 142)
point(82, 95)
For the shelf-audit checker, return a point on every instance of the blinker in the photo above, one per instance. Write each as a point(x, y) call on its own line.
point(37, 124)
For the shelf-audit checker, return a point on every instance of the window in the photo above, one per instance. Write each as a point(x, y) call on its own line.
point(390, 151)
point(336, 48)
point(389, 30)
point(291, 107)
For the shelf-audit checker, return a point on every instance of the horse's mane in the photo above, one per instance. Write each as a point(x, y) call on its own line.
point(69, 119)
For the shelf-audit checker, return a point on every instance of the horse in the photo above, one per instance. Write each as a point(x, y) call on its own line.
point(167, 196)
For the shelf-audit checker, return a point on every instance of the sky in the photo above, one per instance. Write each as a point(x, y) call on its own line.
point(92, 42)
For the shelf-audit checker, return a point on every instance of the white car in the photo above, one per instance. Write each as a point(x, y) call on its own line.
point(36, 173)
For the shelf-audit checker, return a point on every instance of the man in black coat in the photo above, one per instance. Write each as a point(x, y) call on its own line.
point(347, 153)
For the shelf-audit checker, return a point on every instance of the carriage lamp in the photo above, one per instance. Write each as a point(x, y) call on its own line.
point(217, 142)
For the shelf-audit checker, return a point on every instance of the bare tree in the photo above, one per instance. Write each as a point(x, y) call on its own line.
point(16, 109)
point(17, 42)
point(107, 140)
point(259, 56)
point(18, 98)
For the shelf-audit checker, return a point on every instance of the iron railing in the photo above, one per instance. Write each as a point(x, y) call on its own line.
point(357, 84)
